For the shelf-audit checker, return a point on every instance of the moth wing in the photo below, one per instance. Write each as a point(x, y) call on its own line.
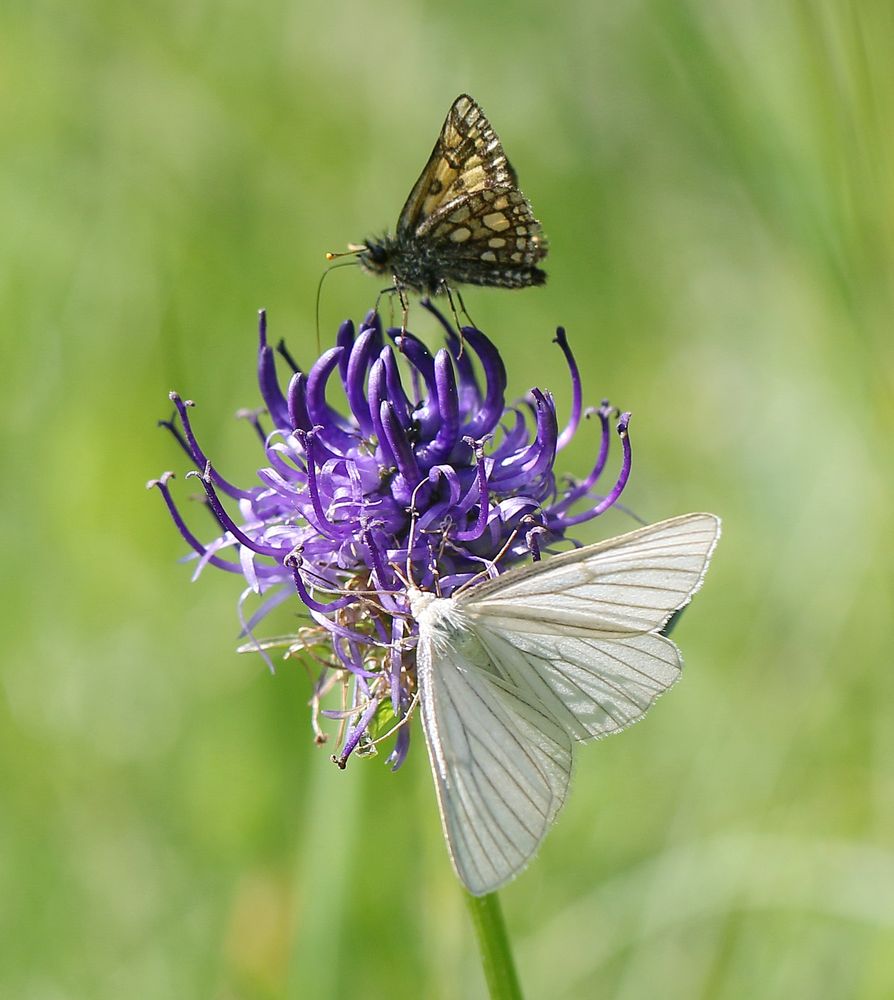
point(565, 650)
point(501, 762)
point(627, 585)
point(592, 687)
point(582, 631)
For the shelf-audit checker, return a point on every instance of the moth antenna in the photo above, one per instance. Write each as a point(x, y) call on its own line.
point(411, 540)
point(491, 564)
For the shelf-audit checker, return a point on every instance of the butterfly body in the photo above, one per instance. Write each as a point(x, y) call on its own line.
point(431, 267)
point(515, 672)
point(465, 221)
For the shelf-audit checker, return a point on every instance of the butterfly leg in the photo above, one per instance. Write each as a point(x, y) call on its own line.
point(404, 305)
point(459, 326)
point(390, 290)
point(463, 309)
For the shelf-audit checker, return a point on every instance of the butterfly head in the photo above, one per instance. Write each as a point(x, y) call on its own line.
point(375, 255)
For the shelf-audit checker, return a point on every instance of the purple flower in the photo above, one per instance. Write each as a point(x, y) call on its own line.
point(425, 477)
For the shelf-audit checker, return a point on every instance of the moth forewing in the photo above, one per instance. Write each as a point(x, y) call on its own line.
point(629, 584)
point(500, 761)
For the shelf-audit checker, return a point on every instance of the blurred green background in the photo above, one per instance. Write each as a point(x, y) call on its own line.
point(716, 184)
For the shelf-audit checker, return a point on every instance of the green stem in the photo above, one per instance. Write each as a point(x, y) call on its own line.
point(493, 943)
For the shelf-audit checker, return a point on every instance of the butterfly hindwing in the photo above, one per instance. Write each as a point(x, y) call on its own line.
point(488, 237)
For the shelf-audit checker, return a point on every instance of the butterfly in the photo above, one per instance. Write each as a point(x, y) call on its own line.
point(514, 672)
point(465, 221)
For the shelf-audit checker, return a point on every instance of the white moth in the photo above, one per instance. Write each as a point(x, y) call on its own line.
point(513, 672)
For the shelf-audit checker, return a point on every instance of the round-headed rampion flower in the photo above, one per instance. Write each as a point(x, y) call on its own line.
point(426, 478)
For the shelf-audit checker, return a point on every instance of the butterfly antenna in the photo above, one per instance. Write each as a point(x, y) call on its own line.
point(330, 256)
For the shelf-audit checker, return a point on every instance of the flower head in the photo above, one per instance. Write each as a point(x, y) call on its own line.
point(424, 478)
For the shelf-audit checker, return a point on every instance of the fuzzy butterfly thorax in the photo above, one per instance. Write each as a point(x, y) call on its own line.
point(465, 221)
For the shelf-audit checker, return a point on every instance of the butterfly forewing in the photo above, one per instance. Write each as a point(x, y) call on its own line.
point(467, 157)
